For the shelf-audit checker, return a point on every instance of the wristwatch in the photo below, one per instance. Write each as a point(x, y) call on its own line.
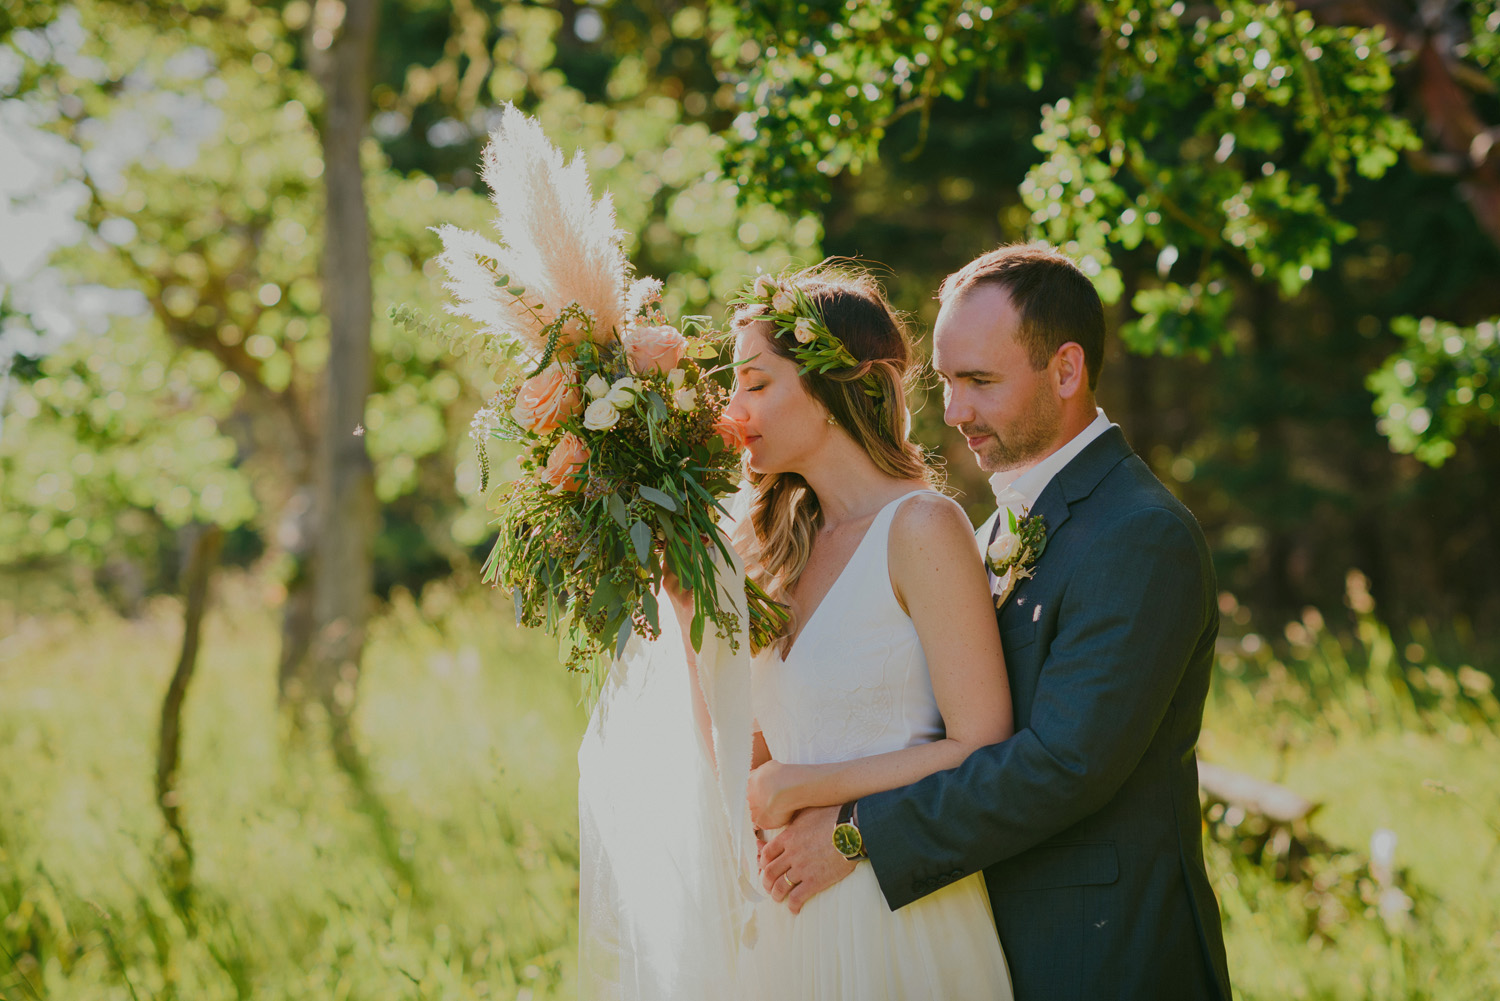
point(846, 838)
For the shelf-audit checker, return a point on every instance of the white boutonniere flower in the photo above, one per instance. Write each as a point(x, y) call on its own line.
point(1013, 554)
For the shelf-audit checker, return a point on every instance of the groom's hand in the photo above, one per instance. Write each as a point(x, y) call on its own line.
point(801, 862)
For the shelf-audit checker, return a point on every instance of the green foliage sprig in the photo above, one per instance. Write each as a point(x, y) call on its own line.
point(1440, 383)
point(796, 319)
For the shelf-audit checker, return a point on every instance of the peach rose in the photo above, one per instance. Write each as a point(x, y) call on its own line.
point(732, 431)
point(653, 349)
point(567, 458)
point(547, 399)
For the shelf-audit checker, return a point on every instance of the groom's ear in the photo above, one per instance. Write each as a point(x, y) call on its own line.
point(1069, 371)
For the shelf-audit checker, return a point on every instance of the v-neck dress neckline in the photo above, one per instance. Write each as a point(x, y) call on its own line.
point(844, 570)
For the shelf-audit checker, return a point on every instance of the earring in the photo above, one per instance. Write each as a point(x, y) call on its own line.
point(832, 420)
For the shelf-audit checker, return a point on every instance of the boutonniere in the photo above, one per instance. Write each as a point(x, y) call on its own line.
point(1015, 551)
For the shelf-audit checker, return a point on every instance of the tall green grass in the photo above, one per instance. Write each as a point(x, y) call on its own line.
point(470, 730)
point(1385, 743)
point(470, 727)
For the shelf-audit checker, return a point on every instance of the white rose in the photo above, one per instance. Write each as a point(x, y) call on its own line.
point(596, 387)
point(685, 399)
point(783, 303)
point(620, 398)
point(626, 382)
point(601, 415)
point(1002, 548)
point(803, 330)
point(676, 377)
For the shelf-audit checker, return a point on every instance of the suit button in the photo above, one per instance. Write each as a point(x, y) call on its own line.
point(956, 874)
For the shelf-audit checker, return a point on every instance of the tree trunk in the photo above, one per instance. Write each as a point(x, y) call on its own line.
point(201, 561)
point(344, 510)
point(294, 534)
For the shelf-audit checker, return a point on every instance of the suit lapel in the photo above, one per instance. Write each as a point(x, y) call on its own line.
point(1073, 483)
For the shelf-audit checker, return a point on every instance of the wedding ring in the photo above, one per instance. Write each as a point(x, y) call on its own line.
point(789, 884)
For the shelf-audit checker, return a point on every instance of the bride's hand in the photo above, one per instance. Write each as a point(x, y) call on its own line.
point(770, 785)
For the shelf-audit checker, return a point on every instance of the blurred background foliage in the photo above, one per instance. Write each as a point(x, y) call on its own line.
point(1292, 210)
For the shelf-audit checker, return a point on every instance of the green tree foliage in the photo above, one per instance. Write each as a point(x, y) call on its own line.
point(201, 406)
point(1262, 191)
point(219, 240)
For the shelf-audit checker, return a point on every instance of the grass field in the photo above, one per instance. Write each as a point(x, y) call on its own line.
point(470, 728)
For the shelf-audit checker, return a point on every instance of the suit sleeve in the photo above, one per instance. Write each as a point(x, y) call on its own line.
point(1129, 621)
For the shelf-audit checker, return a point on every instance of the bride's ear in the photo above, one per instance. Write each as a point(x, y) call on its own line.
point(1068, 371)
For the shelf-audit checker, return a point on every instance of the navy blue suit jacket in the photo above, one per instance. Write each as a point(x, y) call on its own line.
point(1086, 823)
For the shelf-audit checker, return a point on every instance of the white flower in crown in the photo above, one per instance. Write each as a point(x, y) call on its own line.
point(781, 302)
point(601, 415)
point(803, 331)
point(764, 286)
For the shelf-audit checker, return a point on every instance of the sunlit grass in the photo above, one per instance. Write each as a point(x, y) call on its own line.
point(470, 729)
point(1381, 745)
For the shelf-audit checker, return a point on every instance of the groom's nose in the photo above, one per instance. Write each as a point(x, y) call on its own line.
point(956, 408)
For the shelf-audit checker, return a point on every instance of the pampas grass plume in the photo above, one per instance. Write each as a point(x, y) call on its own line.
point(557, 242)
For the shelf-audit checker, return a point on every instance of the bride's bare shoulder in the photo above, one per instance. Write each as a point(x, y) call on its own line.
point(930, 524)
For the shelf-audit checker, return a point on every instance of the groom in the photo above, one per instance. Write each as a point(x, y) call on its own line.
point(1086, 822)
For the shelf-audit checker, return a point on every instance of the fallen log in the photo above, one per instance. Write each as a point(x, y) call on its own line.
point(1256, 797)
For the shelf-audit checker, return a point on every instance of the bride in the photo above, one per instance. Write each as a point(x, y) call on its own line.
point(890, 669)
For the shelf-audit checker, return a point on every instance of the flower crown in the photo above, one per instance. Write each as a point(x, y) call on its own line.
point(794, 316)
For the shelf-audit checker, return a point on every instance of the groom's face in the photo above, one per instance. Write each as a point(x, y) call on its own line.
point(1008, 411)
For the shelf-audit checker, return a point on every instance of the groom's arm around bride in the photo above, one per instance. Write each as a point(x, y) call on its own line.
point(1086, 822)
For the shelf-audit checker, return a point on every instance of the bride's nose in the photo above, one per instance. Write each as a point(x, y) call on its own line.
point(735, 408)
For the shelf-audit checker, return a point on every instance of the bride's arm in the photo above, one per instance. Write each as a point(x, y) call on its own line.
point(939, 579)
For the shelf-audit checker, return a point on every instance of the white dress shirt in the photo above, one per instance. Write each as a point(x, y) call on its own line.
point(1019, 493)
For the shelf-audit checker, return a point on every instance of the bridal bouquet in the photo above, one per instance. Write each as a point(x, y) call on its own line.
point(626, 451)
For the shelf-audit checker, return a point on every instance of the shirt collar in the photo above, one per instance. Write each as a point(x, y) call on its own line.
point(1030, 484)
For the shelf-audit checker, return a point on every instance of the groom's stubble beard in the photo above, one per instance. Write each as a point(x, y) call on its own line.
point(1027, 439)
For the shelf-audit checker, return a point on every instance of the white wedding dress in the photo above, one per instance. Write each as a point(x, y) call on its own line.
point(670, 907)
point(856, 684)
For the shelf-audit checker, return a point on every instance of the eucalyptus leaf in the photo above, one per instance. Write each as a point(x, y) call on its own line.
point(640, 537)
point(617, 511)
point(697, 631)
point(649, 609)
point(658, 497)
point(623, 637)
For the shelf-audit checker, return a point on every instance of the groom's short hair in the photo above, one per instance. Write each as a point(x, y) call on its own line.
point(1056, 300)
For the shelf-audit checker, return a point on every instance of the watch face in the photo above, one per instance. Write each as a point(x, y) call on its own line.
point(847, 841)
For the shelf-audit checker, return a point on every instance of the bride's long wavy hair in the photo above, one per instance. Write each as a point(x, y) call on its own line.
point(784, 511)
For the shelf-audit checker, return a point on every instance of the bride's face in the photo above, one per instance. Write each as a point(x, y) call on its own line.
point(784, 426)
